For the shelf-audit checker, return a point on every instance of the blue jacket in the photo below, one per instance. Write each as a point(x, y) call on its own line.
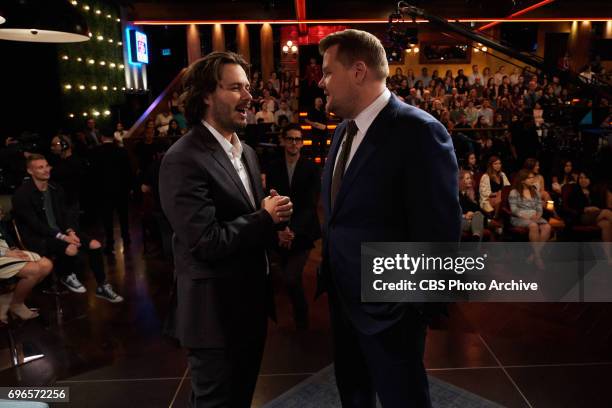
point(400, 186)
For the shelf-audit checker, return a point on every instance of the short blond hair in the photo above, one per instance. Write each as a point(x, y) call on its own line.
point(357, 45)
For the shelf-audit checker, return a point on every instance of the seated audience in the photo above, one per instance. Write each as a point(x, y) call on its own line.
point(526, 207)
point(47, 229)
point(28, 266)
point(473, 220)
point(491, 184)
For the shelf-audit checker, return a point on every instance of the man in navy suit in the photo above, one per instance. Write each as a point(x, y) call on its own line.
point(391, 176)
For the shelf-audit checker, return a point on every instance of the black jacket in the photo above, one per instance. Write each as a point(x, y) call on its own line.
point(29, 211)
point(223, 293)
point(304, 192)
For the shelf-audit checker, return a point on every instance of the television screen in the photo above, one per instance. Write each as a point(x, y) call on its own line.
point(139, 50)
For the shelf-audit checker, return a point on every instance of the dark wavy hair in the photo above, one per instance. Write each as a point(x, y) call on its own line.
point(202, 78)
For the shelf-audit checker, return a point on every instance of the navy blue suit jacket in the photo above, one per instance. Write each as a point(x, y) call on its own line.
point(400, 186)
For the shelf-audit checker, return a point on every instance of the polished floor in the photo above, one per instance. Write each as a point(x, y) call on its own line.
point(518, 355)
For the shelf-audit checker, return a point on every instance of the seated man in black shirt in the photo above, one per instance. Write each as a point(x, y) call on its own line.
point(47, 229)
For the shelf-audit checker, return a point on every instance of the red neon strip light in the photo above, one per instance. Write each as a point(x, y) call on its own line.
point(518, 13)
point(369, 21)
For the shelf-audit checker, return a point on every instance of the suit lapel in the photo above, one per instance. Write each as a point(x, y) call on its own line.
point(221, 157)
point(376, 132)
point(252, 169)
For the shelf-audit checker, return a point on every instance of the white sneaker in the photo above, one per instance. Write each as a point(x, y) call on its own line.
point(72, 283)
point(106, 292)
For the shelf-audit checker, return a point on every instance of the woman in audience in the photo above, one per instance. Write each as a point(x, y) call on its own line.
point(275, 82)
point(567, 176)
point(471, 164)
point(28, 266)
point(491, 184)
point(119, 134)
point(174, 130)
point(175, 104)
point(585, 206)
point(526, 207)
point(264, 114)
point(490, 91)
point(533, 165)
point(471, 113)
point(486, 75)
point(473, 220)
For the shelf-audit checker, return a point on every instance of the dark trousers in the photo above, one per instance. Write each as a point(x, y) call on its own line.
point(65, 265)
point(225, 377)
point(292, 266)
point(389, 363)
point(117, 202)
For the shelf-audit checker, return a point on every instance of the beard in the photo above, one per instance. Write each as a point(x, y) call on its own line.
point(225, 116)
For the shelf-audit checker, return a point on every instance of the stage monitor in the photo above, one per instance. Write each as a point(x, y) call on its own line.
point(138, 47)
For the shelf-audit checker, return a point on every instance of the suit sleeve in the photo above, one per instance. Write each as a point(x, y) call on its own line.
point(188, 203)
point(435, 213)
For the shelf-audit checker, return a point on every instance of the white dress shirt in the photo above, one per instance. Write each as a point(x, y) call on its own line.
point(234, 153)
point(364, 121)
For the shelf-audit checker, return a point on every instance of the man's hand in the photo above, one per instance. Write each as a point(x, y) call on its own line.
point(73, 239)
point(279, 207)
point(15, 253)
point(285, 238)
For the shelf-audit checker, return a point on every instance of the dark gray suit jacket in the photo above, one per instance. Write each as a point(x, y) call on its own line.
point(223, 294)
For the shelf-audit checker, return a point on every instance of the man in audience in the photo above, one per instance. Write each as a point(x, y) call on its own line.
point(475, 74)
point(69, 171)
point(92, 134)
point(47, 229)
point(298, 178)
point(477, 86)
point(317, 118)
point(499, 75)
point(487, 112)
point(112, 175)
point(283, 110)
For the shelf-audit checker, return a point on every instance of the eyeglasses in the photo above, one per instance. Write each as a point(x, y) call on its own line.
point(296, 140)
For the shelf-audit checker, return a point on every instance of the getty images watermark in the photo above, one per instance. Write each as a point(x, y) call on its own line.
point(486, 272)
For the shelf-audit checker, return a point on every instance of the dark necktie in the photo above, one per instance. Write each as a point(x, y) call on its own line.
point(351, 131)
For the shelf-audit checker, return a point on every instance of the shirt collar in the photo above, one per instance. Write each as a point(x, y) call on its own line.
point(367, 116)
point(233, 148)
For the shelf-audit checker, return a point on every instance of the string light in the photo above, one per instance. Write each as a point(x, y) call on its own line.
point(105, 88)
point(106, 112)
point(98, 12)
point(102, 63)
point(86, 7)
point(90, 34)
point(67, 86)
point(79, 59)
point(114, 88)
point(85, 114)
point(110, 40)
point(71, 115)
point(112, 65)
point(93, 87)
point(65, 57)
point(96, 113)
point(121, 66)
point(100, 37)
point(118, 20)
point(74, 2)
point(81, 87)
point(109, 16)
point(91, 61)
point(123, 88)
point(120, 43)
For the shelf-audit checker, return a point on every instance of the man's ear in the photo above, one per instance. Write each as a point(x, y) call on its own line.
point(29, 171)
point(360, 71)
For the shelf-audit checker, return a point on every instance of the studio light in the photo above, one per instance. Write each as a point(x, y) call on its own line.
point(54, 21)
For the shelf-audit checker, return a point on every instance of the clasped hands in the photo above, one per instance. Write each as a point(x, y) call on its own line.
point(279, 207)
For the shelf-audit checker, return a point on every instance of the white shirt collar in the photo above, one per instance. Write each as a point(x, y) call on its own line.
point(233, 148)
point(367, 116)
